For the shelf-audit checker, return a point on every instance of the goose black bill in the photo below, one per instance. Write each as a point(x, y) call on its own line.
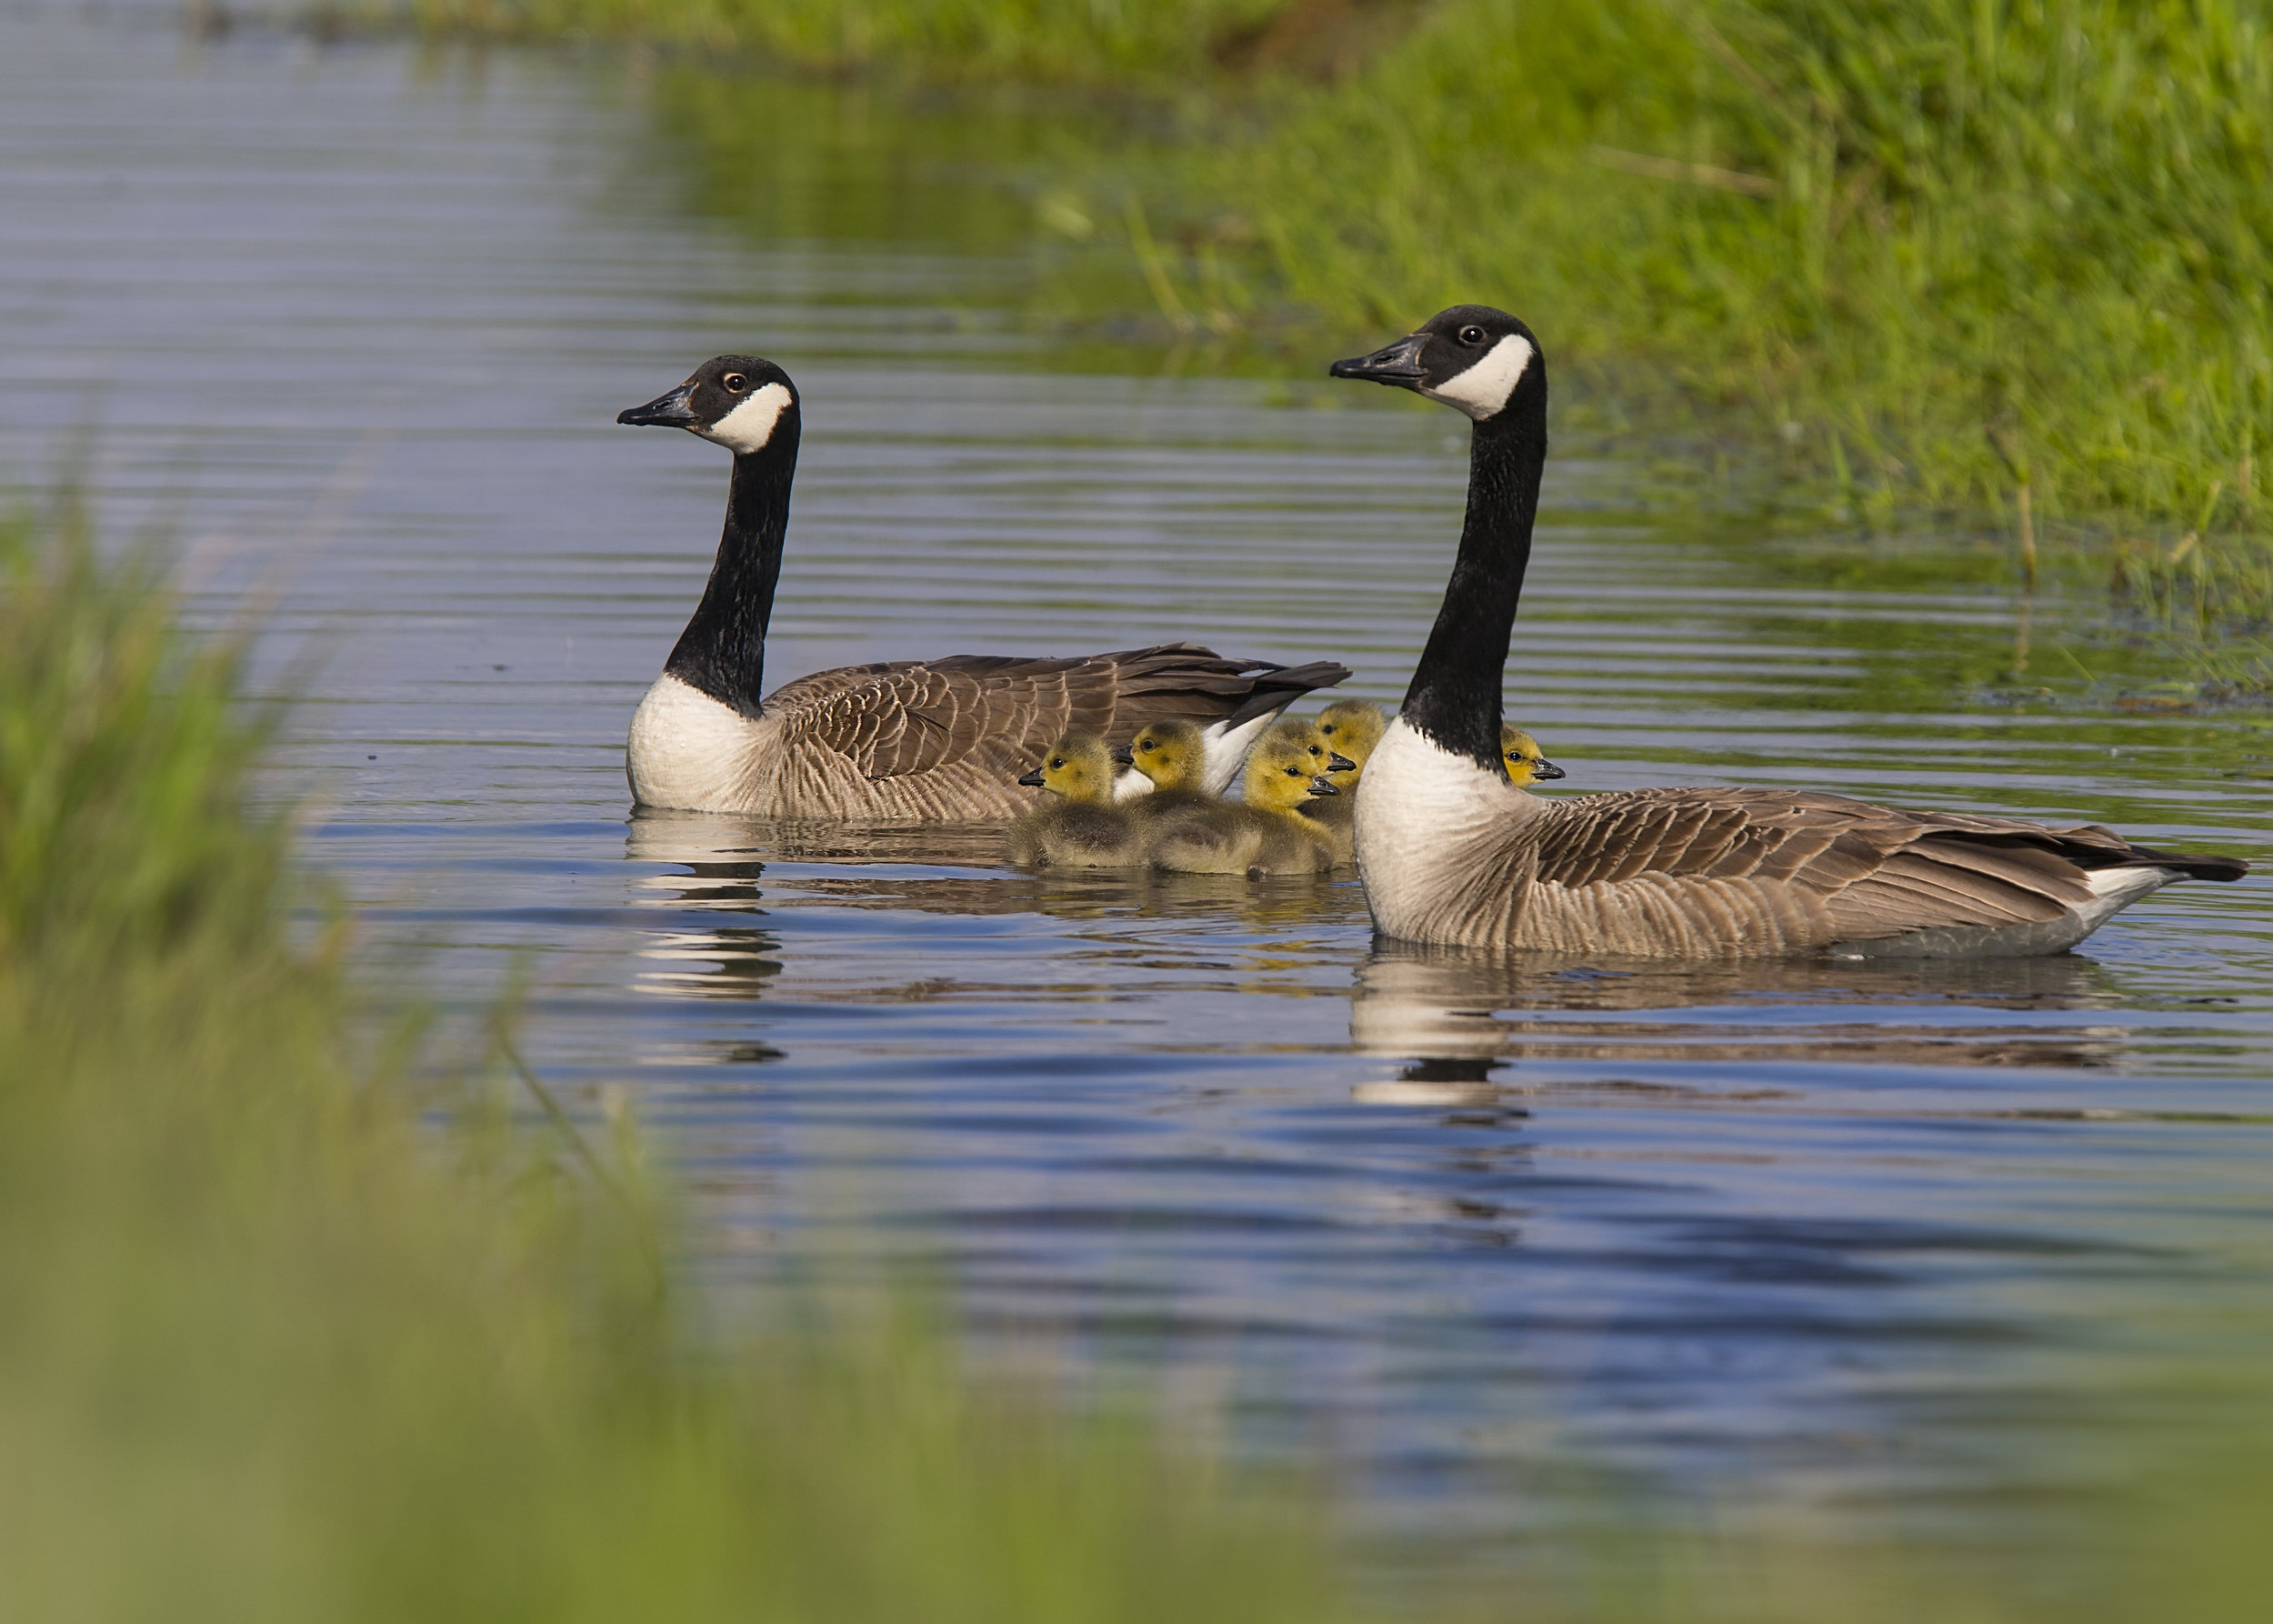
point(1032, 780)
point(1124, 756)
point(1398, 364)
point(675, 410)
point(1545, 769)
point(1318, 785)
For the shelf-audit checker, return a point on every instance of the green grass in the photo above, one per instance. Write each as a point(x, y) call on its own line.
point(1944, 245)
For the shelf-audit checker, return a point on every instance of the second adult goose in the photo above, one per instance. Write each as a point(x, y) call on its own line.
point(943, 739)
point(1451, 851)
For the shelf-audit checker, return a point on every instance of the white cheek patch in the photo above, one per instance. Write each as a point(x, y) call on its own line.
point(749, 425)
point(1483, 388)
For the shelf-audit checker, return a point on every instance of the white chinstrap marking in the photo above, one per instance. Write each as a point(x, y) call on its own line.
point(686, 751)
point(749, 425)
point(1483, 389)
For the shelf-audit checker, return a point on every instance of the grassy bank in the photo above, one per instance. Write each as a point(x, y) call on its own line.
point(1935, 253)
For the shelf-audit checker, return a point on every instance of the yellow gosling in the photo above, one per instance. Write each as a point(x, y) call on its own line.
point(1264, 834)
point(1525, 764)
point(1174, 756)
point(1351, 727)
point(1305, 732)
point(1082, 829)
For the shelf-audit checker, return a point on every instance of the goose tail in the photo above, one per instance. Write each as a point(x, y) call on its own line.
point(1277, 686)
point(2187, 865)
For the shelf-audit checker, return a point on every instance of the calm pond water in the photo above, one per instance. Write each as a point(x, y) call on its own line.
point(354, 324)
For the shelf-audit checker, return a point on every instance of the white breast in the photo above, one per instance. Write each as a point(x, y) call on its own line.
point(687, 751)
point(1423, 815)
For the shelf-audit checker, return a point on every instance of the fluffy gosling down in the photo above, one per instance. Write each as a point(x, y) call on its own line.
point(1264, 834)
point(1174, 756)
point(1082, 829)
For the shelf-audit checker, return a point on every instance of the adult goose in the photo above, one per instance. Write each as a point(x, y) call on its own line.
point(941, 741)
point(1452, 852)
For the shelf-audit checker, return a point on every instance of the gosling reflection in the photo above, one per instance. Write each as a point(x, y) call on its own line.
point(858, 866)
point(1464, 1008)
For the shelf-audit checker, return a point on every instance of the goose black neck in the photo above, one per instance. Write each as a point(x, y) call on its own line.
point(1455, 696)
point(722, 652)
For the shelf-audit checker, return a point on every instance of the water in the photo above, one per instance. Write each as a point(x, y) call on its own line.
point(354, 324)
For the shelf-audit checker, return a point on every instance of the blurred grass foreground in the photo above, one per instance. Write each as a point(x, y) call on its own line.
point(1944, 253)
point(286, 1333)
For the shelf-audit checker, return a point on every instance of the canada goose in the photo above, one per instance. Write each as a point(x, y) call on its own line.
point(1081, 829)
point(1261, 836)
point(1525, 762)
point(1451, 852)
point(940, 740)
point(1170, 756)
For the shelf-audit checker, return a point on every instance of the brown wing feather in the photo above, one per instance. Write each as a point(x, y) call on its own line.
point(1876, 871)
point(900, 718)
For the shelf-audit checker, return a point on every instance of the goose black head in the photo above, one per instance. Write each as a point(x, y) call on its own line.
point(738, 401)
point(1471, 357)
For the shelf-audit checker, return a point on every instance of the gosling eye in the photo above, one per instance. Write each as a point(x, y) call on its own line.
point(1060, 761)
point(1471, 335)
point(735, 382)
point(1147, 745)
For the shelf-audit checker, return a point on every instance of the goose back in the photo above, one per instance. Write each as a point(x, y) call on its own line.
point(940, 740)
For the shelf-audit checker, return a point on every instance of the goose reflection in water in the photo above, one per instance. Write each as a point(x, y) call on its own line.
point(710, 960)
point(1460, 1016)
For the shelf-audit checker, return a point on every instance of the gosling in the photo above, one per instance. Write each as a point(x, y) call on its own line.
point(1307, 733)
point(1351, 727)
point(1174, 756)
point(1525, 764)
point(1264, 834)
point(1082, 829)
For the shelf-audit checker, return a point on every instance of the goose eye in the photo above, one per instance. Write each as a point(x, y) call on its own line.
point(735, 382)
point(1471, 333)
point(1147, 745)
point(1060, 761)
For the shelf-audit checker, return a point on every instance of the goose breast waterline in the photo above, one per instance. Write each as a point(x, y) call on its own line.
point(940, 740)
point(1451, 851)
